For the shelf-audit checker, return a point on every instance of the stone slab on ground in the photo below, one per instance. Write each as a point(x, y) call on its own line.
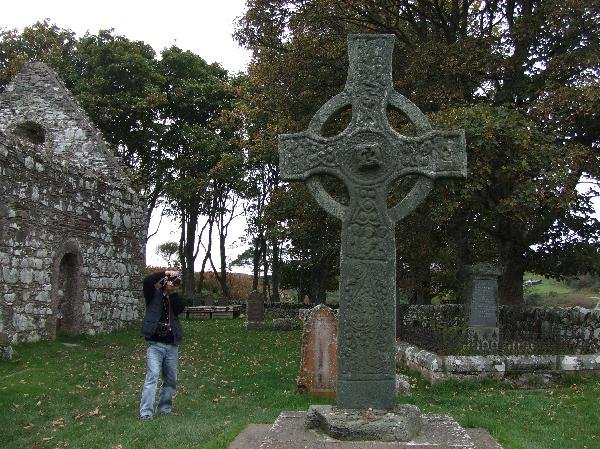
point(439, 432)
point(482, 439)
point(251, 436)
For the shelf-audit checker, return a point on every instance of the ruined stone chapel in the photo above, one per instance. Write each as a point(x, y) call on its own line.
point(72, 229)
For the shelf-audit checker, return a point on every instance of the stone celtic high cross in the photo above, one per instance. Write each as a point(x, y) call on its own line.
point(367, 156)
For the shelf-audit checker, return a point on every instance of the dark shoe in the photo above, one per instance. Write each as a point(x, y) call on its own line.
point(146, 417)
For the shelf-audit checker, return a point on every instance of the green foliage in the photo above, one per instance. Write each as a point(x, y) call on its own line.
point(41, 41)
point(516, 191)
point(119, 87)
point(522, 79)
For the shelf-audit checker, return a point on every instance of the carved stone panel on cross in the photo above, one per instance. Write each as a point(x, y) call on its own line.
point(371, 157)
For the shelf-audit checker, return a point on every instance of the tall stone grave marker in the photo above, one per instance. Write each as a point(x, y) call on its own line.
point(367, 156)
point(255, 310)
point(318, 353)
point(482, 302)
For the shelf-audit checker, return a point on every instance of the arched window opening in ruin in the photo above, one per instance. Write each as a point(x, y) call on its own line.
point(32, 131)
point(67, 292)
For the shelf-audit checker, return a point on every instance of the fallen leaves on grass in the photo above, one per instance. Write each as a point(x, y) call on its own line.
point(58, 423)
point(217, 399)
point(95, 412)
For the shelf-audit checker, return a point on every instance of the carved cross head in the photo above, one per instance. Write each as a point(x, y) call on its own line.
point(369, 153)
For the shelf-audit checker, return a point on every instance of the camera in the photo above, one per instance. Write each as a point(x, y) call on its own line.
point(174, 279)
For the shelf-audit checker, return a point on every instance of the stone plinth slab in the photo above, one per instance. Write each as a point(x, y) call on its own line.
point(251, 437)
point(438, 432)
point(401, 424)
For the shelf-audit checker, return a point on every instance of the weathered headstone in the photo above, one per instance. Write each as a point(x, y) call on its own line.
point(318, 353)
point(255, 310)
point(482, 302)
point(367, 156)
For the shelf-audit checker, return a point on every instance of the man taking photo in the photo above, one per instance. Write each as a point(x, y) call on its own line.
point(163, 333)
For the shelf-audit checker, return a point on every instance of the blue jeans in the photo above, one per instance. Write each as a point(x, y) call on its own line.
point(159, 357)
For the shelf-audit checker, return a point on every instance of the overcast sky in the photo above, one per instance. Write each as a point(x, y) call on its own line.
point(204, 27)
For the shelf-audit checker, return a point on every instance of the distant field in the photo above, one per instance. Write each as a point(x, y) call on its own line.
point(549, 292)
point(556, 293)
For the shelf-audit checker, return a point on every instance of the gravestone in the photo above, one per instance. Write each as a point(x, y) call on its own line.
point(255, 310)
point(367, 156)
point(482, 306)
point(318, 353)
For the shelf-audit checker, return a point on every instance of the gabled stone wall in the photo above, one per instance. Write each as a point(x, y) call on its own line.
point(37, 96)
point(72, 231)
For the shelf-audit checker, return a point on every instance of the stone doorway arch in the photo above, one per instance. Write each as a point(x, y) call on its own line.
point(67, 291)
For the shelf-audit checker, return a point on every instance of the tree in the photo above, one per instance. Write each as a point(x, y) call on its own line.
point(199, 150)
point(120, 87)
point(258, 138)
point(40, 42)
point(168, 250)
point(524, 58)
point(520, 194)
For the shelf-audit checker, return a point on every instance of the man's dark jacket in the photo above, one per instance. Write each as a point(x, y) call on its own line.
point(154, 308)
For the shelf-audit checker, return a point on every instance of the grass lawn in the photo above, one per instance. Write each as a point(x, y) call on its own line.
point(83, 393)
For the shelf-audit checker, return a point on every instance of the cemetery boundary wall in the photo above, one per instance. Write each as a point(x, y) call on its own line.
point(575, 327)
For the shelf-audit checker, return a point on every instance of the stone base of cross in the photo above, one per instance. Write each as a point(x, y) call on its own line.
point(367, 156)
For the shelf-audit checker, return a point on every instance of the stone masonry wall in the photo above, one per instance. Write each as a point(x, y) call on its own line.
point(577, 326)
point(38, 95)
point(50, 210)
point(71, 228)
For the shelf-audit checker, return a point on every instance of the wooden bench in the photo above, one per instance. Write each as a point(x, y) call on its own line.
point(210, 312)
